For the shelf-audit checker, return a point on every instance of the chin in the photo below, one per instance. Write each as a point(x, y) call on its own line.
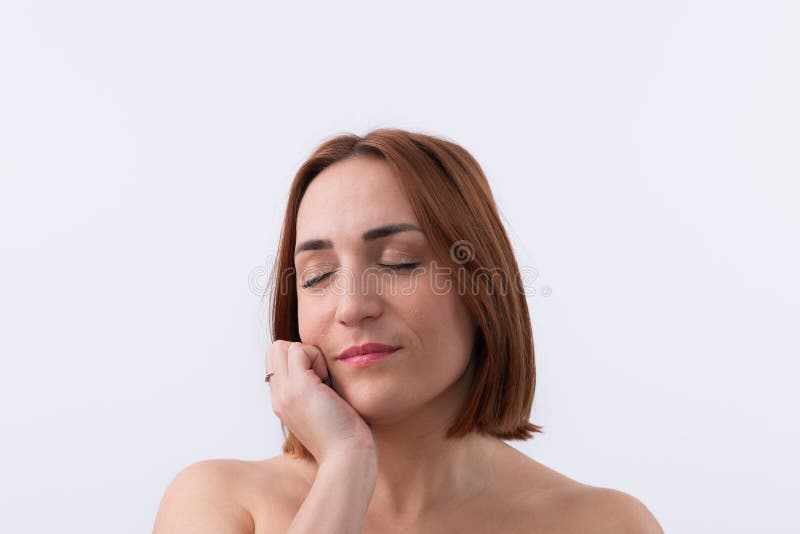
point(377, 403)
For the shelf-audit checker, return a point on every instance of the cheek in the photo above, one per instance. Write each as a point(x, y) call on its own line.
point(452, 327)
point(434, 319)
point(423, 305)
point(308, 320)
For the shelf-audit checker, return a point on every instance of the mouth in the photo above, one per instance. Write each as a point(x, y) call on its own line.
point(365, 359)
point(366, 354)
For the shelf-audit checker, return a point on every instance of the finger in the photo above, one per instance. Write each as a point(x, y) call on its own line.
point(276, 359)
point(297, 360)
point(303, 357)
point(318, 362)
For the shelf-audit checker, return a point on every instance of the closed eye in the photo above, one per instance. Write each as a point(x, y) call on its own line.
point(399, 266)
point(395, 267)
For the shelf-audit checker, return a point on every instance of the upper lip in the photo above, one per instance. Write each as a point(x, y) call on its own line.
point(366, 348)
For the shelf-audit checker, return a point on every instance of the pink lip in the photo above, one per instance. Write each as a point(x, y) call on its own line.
point(365, 359)
point(366, 354)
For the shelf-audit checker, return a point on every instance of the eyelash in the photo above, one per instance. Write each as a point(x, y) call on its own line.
point(397, 267)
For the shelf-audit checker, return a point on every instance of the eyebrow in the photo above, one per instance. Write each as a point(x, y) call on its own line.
point(369, 235)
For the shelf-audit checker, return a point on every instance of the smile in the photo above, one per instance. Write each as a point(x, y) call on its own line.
point(361, 360)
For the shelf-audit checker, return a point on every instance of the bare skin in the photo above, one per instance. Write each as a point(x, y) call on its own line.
point(505, 504)
point(378, 432)
point(522, 495)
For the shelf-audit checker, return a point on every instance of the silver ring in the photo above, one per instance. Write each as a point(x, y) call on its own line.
point(268, 375)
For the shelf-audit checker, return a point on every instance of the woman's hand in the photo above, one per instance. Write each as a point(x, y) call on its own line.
point(317, 416)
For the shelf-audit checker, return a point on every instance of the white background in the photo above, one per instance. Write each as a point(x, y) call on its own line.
point(644, 156)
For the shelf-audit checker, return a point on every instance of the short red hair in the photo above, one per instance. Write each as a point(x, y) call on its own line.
point(453, 204)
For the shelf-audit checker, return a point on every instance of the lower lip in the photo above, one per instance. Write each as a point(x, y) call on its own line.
point(365, 359)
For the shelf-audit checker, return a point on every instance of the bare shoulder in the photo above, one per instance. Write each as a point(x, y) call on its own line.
point(595, 509)
point(549, 501)
point(206, 496)
point(274, 490)
point(226, 496)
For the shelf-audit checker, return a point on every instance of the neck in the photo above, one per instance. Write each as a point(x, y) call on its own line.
point(422, 472)
point(419, 470)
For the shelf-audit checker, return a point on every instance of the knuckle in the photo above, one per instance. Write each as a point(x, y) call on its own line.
point(291, 396)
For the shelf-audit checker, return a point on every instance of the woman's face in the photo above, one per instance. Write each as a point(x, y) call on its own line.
point(395, 307)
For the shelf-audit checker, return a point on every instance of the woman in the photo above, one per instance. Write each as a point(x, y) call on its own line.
point(403, 358)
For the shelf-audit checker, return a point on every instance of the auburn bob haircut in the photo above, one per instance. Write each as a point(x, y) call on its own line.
point(455, 208)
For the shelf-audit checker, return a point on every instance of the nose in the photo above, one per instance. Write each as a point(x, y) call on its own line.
point(357, 298)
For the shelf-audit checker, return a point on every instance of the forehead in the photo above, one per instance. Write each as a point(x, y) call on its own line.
point(351, 196)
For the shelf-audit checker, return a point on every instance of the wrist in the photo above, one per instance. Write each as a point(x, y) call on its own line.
point(355, 449)
point(353, 474)
point(341, 493)
point(360, 458)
